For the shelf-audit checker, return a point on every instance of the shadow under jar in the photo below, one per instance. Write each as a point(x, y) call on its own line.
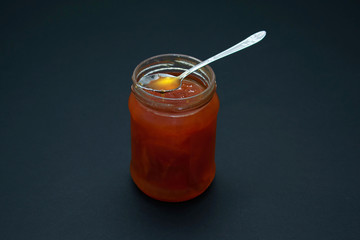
point(173, 134)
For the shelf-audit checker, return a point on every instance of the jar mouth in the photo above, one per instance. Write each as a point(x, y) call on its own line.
point(154, 65)
point(174, 64)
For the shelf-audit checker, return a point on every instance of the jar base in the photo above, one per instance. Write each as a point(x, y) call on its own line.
point(166, 196)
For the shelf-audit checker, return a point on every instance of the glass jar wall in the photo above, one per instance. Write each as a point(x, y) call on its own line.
point(173, 134)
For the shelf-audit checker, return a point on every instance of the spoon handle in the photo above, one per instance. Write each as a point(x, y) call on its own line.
point(256, 37)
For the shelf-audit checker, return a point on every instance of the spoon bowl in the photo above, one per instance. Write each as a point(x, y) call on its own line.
point(160, 82)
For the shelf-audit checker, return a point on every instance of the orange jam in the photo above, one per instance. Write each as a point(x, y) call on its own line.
point(173, 152)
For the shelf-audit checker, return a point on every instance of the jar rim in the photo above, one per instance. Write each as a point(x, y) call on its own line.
point(134, 77)
point(172, 62)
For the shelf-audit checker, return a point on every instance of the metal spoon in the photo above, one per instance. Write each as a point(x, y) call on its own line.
point(152, 82)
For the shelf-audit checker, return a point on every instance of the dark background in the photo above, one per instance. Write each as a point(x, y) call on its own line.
point(288, 139)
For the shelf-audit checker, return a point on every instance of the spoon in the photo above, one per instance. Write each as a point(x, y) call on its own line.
point(161, 82)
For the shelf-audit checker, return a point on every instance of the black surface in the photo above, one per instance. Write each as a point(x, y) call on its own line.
point(288, 139)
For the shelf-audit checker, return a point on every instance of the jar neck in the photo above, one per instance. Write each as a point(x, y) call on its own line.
point(174, 64)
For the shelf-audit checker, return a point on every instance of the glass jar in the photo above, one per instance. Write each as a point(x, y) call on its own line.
point(173, 139)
